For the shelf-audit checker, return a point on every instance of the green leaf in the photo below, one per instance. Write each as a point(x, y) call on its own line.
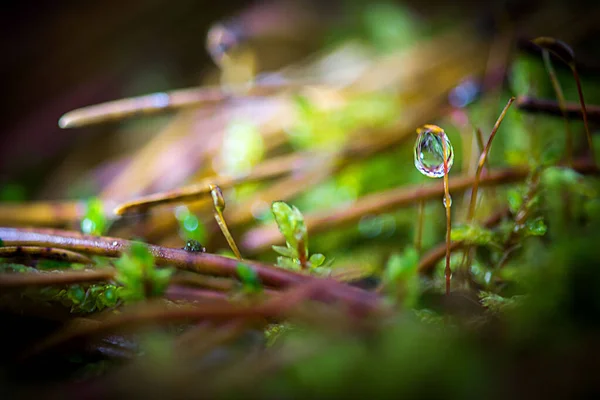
point(473, 234)
point(535, 227)
point(496, 303)
point(286, 251)
point(137, 273)
point(316, 260)
point(291, 224)
point(515, 200)
point(288, 263)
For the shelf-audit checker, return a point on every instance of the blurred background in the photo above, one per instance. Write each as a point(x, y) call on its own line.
point(60, 56)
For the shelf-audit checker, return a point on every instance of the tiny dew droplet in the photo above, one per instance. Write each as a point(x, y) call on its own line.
point(449, 198)
point(429, 151)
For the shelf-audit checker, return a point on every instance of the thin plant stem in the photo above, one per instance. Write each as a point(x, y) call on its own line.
point(67, 277)
point(482, 159)
point(420, 222)
point(219, 204)
point(561, 104)
point(583, 111)
point(44, 252)
point(447, 205)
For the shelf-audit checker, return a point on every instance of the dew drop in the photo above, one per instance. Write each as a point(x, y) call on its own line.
point(429, 151)
point(449, 198)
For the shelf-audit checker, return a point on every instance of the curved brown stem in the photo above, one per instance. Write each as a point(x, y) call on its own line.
point(551, 107)
point(561, 104)
point(39, 213)
point(55, 278)
point(588, 134)
point(483, 158)
point(44, 252)
point(204, 263)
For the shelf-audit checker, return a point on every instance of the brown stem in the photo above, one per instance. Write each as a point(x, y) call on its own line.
point(55, 278)
point(420, 222)
point(204, 263)
point(152, 313)
point(561, 104)
point(44, 252)
point(260, 239)
point(50, 214)
point(551, 107)
point(482, 159)
point(269, 169)
point(588, 134)
point(165, 101)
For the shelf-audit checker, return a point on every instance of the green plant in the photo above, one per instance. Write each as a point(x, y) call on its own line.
point(294, 255)
point(138, 274)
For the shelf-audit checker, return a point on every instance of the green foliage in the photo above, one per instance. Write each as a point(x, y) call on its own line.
point(12, 192)
point(328, 129)
point(474, 234)
point(249, 278)
point(79, 298)
point(390, 27)
point(498, 304)
point(139, 275)
point(291, 224)
point(401, 276)
point(242, 148)
point(94, 221)
point(529, 77)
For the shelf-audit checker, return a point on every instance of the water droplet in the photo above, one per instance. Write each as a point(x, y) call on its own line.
point(429, 151)
point(449, 198)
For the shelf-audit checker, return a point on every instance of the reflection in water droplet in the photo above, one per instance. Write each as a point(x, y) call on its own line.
point(449, 198)
point(429, 151)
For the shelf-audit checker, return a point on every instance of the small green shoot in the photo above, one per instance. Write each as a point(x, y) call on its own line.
point(138, 274)
point(294, 255)
point(219, 206)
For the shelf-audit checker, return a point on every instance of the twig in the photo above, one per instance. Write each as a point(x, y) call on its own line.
point(50, 214)
point(152, 313)
point(164, 101)
point(204, 263)
point(44, 252)
point(55, 278)
point(551, 107)
point(269, 169)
